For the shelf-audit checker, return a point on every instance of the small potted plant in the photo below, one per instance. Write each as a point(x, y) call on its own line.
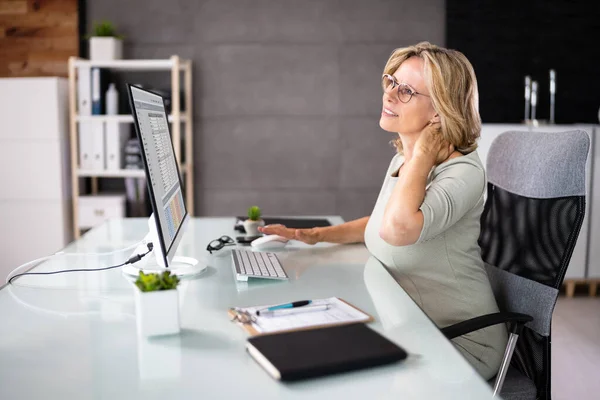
point(105, 43)
point(253, 222)
point(157, 304)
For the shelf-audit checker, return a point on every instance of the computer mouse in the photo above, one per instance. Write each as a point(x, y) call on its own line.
point(269, 242)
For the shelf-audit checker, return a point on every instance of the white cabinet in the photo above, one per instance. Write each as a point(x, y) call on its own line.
point(35, 211)
point(94, 210)
point(578, 267)
point(594, 201)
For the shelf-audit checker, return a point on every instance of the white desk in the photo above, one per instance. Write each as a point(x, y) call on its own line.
point(73, 336)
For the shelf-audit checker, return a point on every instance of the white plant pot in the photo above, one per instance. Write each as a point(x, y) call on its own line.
point(105, 48)
point(157, 313)
point(251, 227)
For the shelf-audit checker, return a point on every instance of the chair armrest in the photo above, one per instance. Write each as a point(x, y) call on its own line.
point(517, 321)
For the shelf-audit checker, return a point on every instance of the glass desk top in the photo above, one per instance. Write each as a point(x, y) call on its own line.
point(74, 335)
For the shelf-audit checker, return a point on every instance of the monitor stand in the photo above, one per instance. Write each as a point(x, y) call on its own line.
point(183, 267)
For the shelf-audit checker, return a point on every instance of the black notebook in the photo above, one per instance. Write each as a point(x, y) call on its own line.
point(296, 223)
point(305, 354)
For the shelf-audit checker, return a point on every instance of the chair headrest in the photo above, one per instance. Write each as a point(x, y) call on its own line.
point(539, 164)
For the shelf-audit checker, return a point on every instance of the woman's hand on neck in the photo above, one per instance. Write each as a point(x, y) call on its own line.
point(428, 145)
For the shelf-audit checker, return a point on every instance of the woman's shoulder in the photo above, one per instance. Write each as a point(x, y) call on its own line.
point(461, 164)
point(397, 158)
point(395, 164)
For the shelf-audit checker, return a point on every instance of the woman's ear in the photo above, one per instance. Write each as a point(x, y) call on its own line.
point(435, 119)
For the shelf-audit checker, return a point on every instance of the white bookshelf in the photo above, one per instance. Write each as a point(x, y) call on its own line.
point(120, 173)
point(119, 118)
point(136, 65)
point(179, 119)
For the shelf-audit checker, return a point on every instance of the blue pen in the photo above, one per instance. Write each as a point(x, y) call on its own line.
point(287, 305)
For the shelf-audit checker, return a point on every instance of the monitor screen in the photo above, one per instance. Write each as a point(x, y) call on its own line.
point(162, 171)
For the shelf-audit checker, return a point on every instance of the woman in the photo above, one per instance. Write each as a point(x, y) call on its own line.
point(425, 224)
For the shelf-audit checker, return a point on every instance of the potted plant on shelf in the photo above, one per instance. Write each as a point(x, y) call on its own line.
point(253, 222)
point(105, 43)
point(157, 304)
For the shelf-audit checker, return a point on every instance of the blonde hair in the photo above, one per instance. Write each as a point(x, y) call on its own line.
point(452, 85)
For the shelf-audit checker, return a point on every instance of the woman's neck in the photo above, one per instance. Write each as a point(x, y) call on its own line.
point(408, 144)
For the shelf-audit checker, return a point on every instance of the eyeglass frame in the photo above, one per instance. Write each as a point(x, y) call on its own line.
point(395, 83)
point(223, 241)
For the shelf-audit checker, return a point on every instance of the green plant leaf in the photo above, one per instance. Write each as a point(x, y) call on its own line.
point(254, 213)
point(153, 281)
point(104, 29)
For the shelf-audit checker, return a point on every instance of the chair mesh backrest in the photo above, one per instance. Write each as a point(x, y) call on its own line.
point(529, 227)
point(532, 238)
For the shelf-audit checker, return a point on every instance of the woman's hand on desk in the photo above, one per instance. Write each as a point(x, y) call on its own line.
point(309, 236)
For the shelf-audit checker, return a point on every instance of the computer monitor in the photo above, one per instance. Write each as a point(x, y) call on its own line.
point(169, 214)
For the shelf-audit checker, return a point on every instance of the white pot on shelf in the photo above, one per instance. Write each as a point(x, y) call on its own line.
point(251, 227)
point(105, 48)
point(157, 313)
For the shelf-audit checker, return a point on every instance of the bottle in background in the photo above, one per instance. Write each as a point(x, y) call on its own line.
point(552, 94)
point(112, 100)
point(534, 98)
point(527, 98)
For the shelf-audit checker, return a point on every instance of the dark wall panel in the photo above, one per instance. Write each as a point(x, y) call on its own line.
point(507, 40)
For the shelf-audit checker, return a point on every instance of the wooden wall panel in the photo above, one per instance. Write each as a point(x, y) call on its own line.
point(37, 37)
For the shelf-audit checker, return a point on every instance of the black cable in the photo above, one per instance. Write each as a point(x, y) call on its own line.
point(132, 260)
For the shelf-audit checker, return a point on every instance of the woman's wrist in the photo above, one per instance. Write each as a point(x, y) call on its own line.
point(319, 234)
point(422, 161)
point(348, 232)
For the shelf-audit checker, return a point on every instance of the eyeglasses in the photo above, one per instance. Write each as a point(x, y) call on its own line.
point(219, 243)
point(404, 92)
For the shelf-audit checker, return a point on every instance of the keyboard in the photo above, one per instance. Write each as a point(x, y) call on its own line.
point(256, 264)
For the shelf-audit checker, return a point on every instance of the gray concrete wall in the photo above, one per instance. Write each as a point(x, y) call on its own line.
point(287, 93)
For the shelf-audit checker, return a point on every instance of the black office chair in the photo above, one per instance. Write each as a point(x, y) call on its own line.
point(531, 220)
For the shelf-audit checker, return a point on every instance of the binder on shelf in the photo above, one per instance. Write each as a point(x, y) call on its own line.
point(85, 145)
point(84, 87)
point(116, 135)
point(84, 106)
point(99, 84)
point(98, 145)
point(96, 92)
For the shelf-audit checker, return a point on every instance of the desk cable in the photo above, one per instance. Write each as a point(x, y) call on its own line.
point(133, 259)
